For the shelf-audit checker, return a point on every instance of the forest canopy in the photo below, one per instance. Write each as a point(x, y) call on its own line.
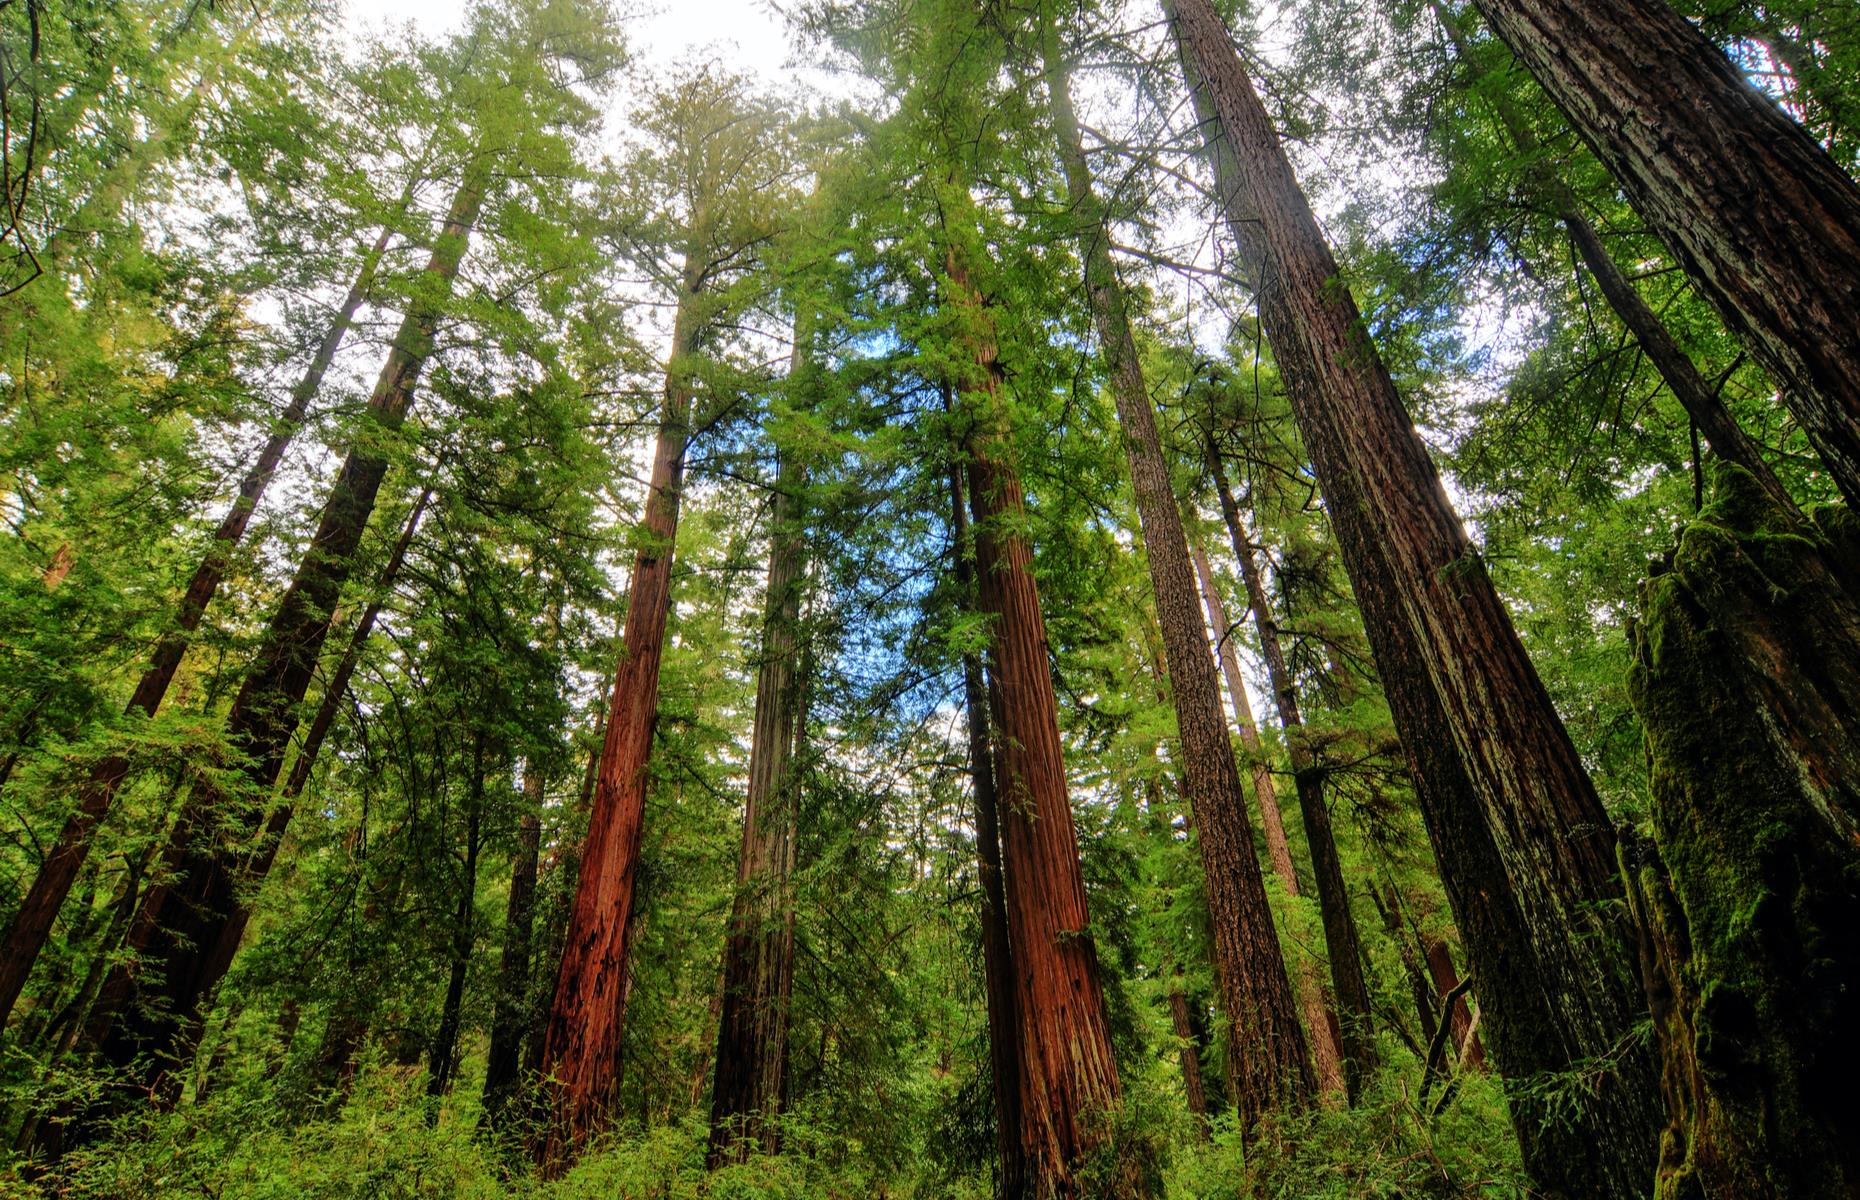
point(980, 598)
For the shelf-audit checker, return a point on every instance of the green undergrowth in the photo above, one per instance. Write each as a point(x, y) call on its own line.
point(388, 1142)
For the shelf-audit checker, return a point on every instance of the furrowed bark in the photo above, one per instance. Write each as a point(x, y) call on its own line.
point(1525, 850)
point(191, 914)
point(1322, 1027)
point(1355, 1007)
point(32, 923)
point(758, 958)
point(997, 964)
point(1764, 222)
point(1698, 397)
point(1268, 1066)
point(581, 1051)
point(1066, 1068)
point(1746, 676)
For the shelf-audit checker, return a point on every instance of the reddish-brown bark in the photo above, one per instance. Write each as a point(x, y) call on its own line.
point(581, 1049)
point(758, 957)
point(1446, 979)
point(1525, 850)
point(1765, 223)
point(997, 961)
point(1268, 1065)
point(1066, 1068)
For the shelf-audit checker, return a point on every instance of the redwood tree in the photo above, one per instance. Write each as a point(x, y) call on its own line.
point(184, 920)
point(1066, 1068)
point(1268, 1065)
point(1764, 222)
point(758, 955)
point(1525, 849)
point(39, 908)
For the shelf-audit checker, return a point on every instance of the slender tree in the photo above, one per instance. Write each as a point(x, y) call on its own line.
point(512, 1017)
point(997, 963)
point(32, 923)
point(185, 918)
point(758, 957)
point(1340, 933)
point(1320, 1022)
point(1268, 1064)
point(1525, 849)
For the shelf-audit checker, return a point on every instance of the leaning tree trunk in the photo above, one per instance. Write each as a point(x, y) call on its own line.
point(1325, 1030)
point(758, 957)
point(1681, 376)
point(1340, 936)
point(1746, 677)
point(510, 1019)
point(32, 923)
point(1526, 851)
point(997, 963)
point(581, 1049)
point(1764, 222)
point(1067, 1072)
point(1268, 1065)
point(190, 914)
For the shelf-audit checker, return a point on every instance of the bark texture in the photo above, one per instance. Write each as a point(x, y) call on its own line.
point(1699, 398)
point(581, 1051)
point(758, 955)
point(189, 916)
point(997, 963)
point(1268, 1065)
point(1747, 680)
point(1320, 1023)
point(1354, 1005)
point(1764, 222)
point(1525, 850)
point(1067, 1072)
point(32, 923)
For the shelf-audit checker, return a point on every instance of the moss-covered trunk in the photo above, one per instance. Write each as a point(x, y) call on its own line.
point(1747, 676)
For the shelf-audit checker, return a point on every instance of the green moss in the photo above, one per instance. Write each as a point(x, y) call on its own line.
point(1746, 661)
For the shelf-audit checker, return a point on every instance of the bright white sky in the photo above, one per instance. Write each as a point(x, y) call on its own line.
point(747, 34)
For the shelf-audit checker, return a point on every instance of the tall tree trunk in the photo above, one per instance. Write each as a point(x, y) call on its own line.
point(443, 1060)
point(1699, 398)
point(1746, 677)
point(1766, 225)
point(1268, 1065)
point(581, 1053)
point(1324, 1029)
point(997, 963)
point(1189, 1049)
point(1066, 1067)
point(1526, 851)
point(32, 923)
point(758, 957)
point(193, 911)
point(1340, 934)
point(511, 1018)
